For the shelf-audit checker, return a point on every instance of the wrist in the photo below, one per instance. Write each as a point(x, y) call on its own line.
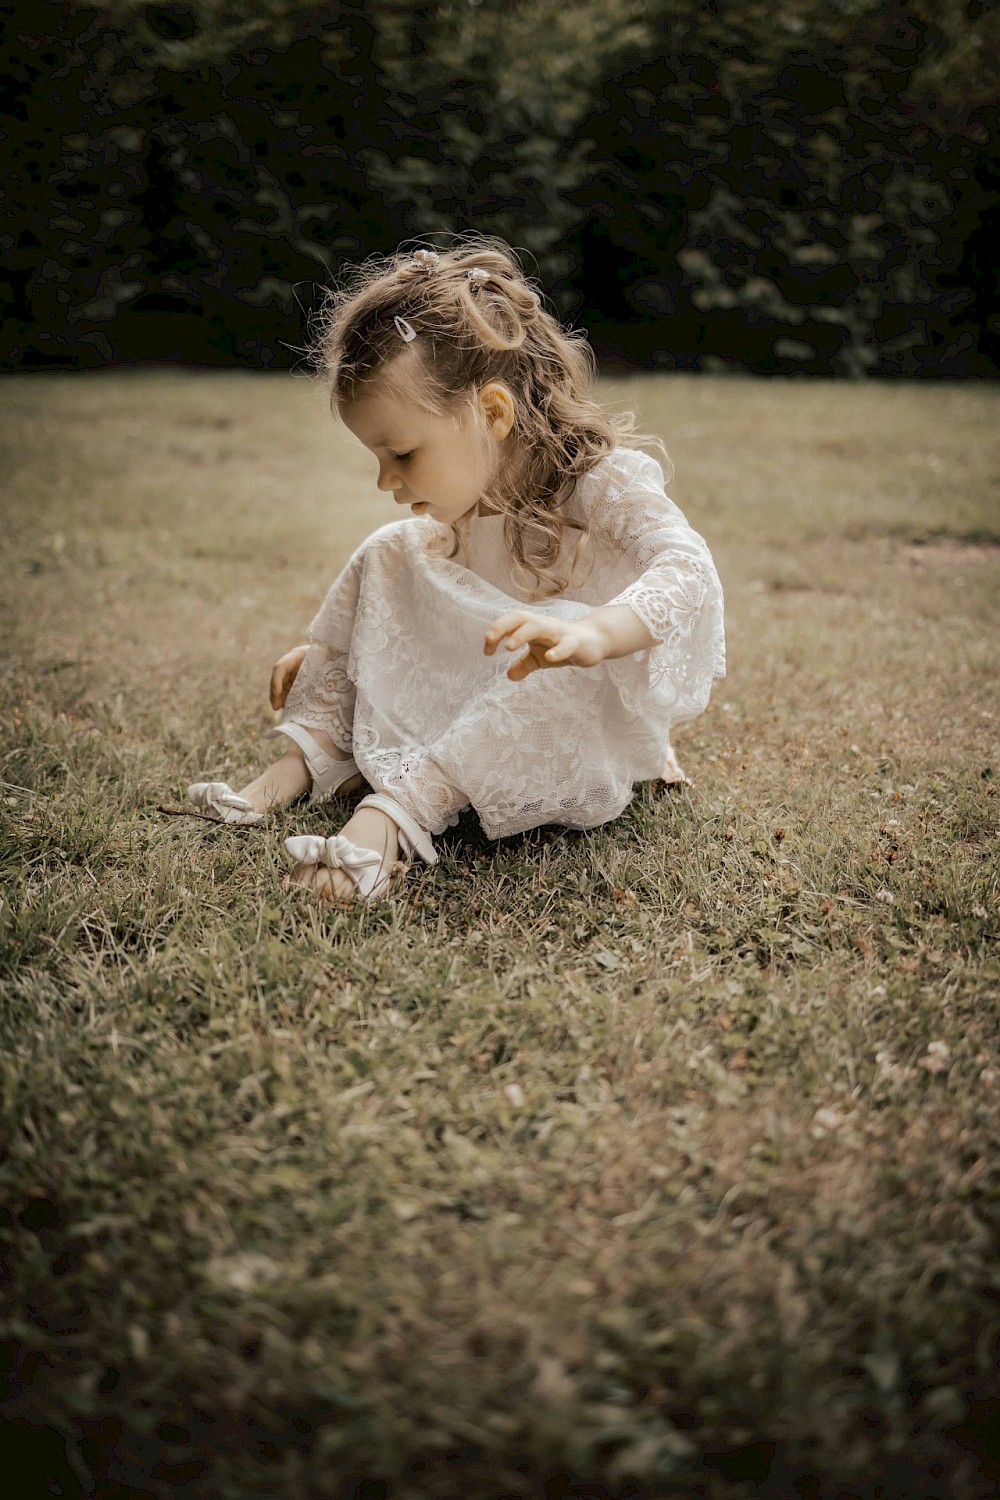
point(604, 636)
point(619, 631)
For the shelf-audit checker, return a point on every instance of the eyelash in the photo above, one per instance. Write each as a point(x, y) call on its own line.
point(401, 458)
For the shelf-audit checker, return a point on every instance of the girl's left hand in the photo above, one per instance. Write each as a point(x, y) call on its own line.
point(550, 643)
point(284, 673)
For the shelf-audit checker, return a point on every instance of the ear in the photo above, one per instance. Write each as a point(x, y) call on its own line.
point(496, 405)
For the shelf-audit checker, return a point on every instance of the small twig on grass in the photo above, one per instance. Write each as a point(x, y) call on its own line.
point(185, 812)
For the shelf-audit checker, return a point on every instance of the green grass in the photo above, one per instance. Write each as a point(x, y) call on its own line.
point(662, 1159)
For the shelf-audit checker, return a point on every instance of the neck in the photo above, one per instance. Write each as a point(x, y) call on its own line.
point(514, 465)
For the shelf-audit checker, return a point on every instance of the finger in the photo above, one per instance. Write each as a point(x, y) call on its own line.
point(284, 673)
point(561, 651)
point(523, 667)
point(535, 632)
point(495, 635)
point(505, 624)
point(282, 678)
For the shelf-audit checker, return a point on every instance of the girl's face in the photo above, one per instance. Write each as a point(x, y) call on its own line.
point(439, 466)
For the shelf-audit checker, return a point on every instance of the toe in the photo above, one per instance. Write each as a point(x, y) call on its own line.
point(339, 888)
point(332, 886)
point(304, 877)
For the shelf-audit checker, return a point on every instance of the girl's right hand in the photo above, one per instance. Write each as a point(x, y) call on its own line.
point(284, 673)
point(550, 642)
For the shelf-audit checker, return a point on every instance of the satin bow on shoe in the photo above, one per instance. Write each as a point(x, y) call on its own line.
point(363, 867)
point(214, 799)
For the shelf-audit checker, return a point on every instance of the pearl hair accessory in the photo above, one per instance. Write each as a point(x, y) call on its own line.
point(477, 276)
point(425, 260)
point(405, 330)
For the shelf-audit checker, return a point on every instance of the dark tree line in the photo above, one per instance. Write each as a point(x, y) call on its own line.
point(709, 185)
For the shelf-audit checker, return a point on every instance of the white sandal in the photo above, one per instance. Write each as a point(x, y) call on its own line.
point(364, 867)
point(328, 775)
point(216, 799)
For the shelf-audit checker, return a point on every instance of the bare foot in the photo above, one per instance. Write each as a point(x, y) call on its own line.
point(369, 829)
point(280, 784)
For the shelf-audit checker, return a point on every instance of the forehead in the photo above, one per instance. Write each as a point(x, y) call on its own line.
point(382, 420)
point(386, 413)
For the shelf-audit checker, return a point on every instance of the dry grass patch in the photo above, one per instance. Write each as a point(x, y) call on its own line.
point(662, 1159)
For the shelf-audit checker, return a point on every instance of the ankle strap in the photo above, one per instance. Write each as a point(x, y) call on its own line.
point(415, 840)
point(326, 771)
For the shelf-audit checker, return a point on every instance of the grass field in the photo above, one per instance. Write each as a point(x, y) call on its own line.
point(659, 1161)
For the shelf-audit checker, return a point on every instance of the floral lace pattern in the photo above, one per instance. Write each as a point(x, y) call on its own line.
point(676, 594)
point(396, 674)
point(322, 695)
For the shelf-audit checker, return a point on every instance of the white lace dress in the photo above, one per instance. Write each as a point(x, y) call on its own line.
point(396, 674)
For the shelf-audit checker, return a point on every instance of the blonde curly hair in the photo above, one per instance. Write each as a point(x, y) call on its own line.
point(472, 317)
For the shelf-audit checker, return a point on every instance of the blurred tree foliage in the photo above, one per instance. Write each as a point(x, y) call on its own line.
point(178, 173)
point(811, 187)
point(484, 106)
point(707, 184)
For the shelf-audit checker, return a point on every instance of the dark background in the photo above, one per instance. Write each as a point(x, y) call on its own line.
point(811, 188)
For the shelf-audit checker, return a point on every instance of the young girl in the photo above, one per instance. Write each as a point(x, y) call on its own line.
point(533, 526)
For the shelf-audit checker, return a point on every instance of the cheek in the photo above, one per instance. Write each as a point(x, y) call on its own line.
point(487, 462)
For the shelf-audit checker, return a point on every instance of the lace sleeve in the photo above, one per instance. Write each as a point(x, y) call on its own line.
point(322, 695)
point(674, 588)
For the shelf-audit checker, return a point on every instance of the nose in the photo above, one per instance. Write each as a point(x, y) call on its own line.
point(388, 479)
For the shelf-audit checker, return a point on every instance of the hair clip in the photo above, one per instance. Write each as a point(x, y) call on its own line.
point(477, 276)
point(425, 260)
point(405, 330)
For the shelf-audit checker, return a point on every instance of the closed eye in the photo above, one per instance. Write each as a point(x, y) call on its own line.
point(401, 458)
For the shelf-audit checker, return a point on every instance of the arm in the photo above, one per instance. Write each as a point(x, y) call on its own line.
point(620, 631)
point(672, 603)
